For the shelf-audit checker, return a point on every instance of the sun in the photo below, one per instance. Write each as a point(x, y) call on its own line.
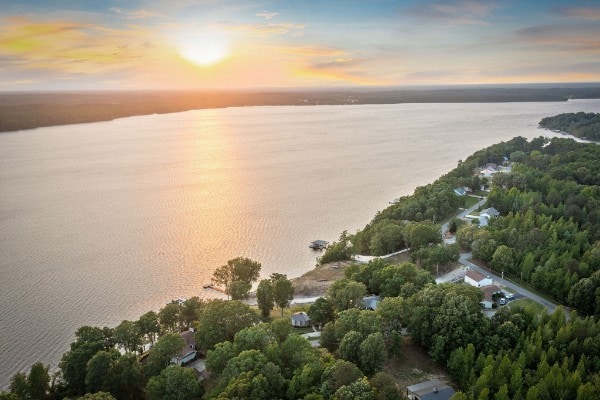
point(204, 50)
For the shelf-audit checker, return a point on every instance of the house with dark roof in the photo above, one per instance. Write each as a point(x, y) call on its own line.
point(488, 292)
point(188, 351)
point(430, 390)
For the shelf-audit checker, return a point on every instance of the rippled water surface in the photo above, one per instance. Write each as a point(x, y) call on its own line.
point(102, 222)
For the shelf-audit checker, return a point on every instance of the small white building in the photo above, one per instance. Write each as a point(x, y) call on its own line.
point(300, 319)
point(476, 279)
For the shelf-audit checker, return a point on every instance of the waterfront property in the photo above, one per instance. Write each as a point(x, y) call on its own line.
point(188, 351)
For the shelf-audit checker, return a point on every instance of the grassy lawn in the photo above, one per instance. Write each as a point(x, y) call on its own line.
point(528, 304)
point(300, 331)
point(470, 201)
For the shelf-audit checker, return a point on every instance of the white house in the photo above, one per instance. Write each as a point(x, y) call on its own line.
point(476, 279)
point(300, 319)
point(489, 213)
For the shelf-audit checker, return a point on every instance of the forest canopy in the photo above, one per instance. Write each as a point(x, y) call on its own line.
point(581, 125)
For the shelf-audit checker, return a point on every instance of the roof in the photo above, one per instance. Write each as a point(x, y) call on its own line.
point(460, 191)
point(300, 317)
point(319, 242)
point(371, 302)
point(492, 212)
point(190, 343)
point(489, 291)
point(433, 389)
point(476, 276)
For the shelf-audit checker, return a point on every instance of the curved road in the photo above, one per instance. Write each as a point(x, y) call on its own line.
point(461, 214)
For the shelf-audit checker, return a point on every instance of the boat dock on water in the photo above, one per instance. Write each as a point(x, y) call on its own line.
point(318, 244)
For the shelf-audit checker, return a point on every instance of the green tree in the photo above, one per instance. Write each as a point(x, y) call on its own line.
point(357, 390)
point(221, 320)
point(38, 382)
point(190, 310)
point(149, 325)
point(349, 349)
point(385, 387)
point(422, 234)
point(281, 329)
point(169, 317)
point(98, 376)
point(345, 294)
point(19, 386)
point(166, 347)
point(88, 341)
point(502, 260)
point(465, 236)
point(217, 358)
point(175, 383)
point(484, 245)
point(128, 336)
point(239, 269)
point(372, 353)
point(339, 374)
point(264, 297)
point(239, 290)
point(283, 290)
point(321, 312)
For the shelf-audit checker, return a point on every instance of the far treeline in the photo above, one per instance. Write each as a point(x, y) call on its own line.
point(28, 110)
point(581, 125)
point(548, 232)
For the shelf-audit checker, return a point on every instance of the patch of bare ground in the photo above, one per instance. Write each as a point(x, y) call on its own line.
point(415, 366)
point(316, 281)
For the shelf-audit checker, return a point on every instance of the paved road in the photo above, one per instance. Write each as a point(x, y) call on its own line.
point(462, 214)
point(465, 260)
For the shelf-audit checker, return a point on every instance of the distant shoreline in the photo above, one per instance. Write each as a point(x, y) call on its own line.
point(30, 110)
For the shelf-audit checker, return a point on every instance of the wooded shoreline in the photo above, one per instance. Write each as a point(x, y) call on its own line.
point(29, 110)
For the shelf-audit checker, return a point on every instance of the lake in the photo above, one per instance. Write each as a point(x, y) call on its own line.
point(104, 221)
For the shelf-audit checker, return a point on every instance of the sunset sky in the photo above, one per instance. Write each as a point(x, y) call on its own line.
point(181, 44)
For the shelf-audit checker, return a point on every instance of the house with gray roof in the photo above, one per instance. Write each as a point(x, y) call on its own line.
point(300, 319)
point(430, 390)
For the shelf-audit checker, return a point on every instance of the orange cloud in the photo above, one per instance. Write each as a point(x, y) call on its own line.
point(71, 47)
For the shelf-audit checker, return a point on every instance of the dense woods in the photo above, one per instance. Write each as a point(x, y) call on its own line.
point(581, 125)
